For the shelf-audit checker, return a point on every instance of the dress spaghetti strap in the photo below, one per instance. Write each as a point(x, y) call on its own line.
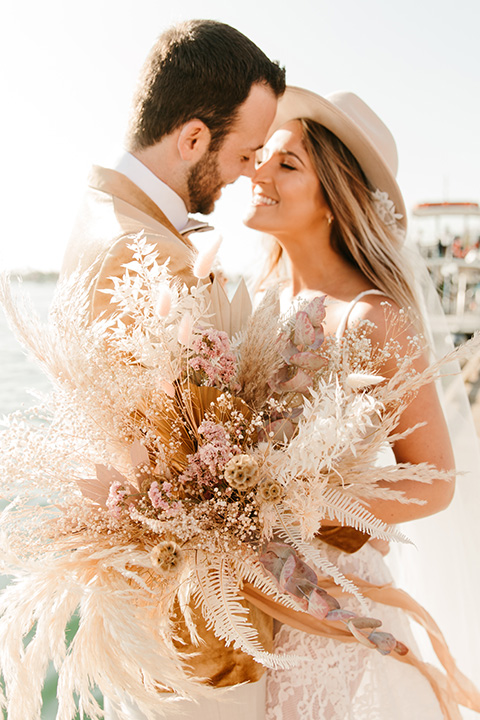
point(344, 320)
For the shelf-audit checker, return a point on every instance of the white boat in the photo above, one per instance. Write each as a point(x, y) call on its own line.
point(448, 236)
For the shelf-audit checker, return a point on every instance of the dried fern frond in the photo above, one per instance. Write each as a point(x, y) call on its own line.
point(217, 591)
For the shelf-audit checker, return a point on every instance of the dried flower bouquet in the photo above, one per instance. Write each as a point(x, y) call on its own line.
point(189, 446)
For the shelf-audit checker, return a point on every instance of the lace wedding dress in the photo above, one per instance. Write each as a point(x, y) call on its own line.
point(341, 681)
point(351, 682)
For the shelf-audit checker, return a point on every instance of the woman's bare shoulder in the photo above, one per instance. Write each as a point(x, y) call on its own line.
point(387, 319)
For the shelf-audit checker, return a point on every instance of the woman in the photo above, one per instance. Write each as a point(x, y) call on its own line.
point(324, 189)
point(315, 198)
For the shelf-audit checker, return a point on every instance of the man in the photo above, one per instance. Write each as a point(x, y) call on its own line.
point(205, 101)
point(206, 98)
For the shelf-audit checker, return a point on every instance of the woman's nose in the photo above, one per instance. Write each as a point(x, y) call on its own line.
point(260, 173)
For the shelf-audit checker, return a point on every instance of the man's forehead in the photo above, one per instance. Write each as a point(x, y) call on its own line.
point(253, 148)
point(255, 112)
point(248, 140)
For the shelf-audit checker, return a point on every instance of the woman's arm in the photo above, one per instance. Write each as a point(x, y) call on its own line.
point(427, 444)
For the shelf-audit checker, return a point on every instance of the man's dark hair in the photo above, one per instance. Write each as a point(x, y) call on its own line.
point(198, 69)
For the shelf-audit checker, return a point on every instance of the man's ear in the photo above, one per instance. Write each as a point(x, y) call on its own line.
point(193, 140)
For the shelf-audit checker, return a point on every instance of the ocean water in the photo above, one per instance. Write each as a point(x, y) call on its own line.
point(19, 374)
point(21, 382)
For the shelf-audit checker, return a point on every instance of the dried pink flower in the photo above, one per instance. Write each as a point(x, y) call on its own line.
point(304, 333)
point(206, 464)
point(155, 495)
point(160, 497)
point(116, 498)
point(214, 357)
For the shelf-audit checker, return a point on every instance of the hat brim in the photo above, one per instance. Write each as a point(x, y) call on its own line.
point(299, 103)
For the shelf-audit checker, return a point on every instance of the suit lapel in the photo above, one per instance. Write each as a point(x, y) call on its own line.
point(118, 185)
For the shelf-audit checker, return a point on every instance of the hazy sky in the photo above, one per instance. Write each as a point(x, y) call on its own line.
point(69, 69)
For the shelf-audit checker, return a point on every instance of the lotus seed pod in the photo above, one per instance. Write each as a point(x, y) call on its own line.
point(166, 556)
point(270, 491)
point(241, 472)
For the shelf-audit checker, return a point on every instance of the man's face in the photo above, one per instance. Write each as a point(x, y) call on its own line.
point(236, 155)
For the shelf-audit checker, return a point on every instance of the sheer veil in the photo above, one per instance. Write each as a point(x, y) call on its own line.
point(442, 570)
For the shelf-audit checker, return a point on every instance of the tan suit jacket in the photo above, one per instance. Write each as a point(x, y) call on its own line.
point(113, 210)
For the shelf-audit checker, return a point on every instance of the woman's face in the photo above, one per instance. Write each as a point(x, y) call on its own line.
point(286, 194)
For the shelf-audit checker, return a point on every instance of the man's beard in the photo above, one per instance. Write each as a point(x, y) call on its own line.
point(204, 182)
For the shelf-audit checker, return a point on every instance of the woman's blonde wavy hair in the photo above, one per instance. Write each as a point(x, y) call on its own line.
point(357, 232)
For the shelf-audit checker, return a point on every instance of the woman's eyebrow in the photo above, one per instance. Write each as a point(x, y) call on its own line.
point(292, 154)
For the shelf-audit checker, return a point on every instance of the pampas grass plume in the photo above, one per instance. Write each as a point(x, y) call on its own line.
point(164, 301)
point(185, 327)
point(359, 381)
point(203, 263)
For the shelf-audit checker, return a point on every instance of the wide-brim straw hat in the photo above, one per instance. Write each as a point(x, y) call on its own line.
point(357, 126)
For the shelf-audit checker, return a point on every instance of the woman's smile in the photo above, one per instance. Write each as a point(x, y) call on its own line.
point(286, 180)
point(260, 198)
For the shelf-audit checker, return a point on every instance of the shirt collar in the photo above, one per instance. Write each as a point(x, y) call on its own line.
point(161, 194)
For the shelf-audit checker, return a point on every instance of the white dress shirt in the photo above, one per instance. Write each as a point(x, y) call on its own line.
point(161, 194)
